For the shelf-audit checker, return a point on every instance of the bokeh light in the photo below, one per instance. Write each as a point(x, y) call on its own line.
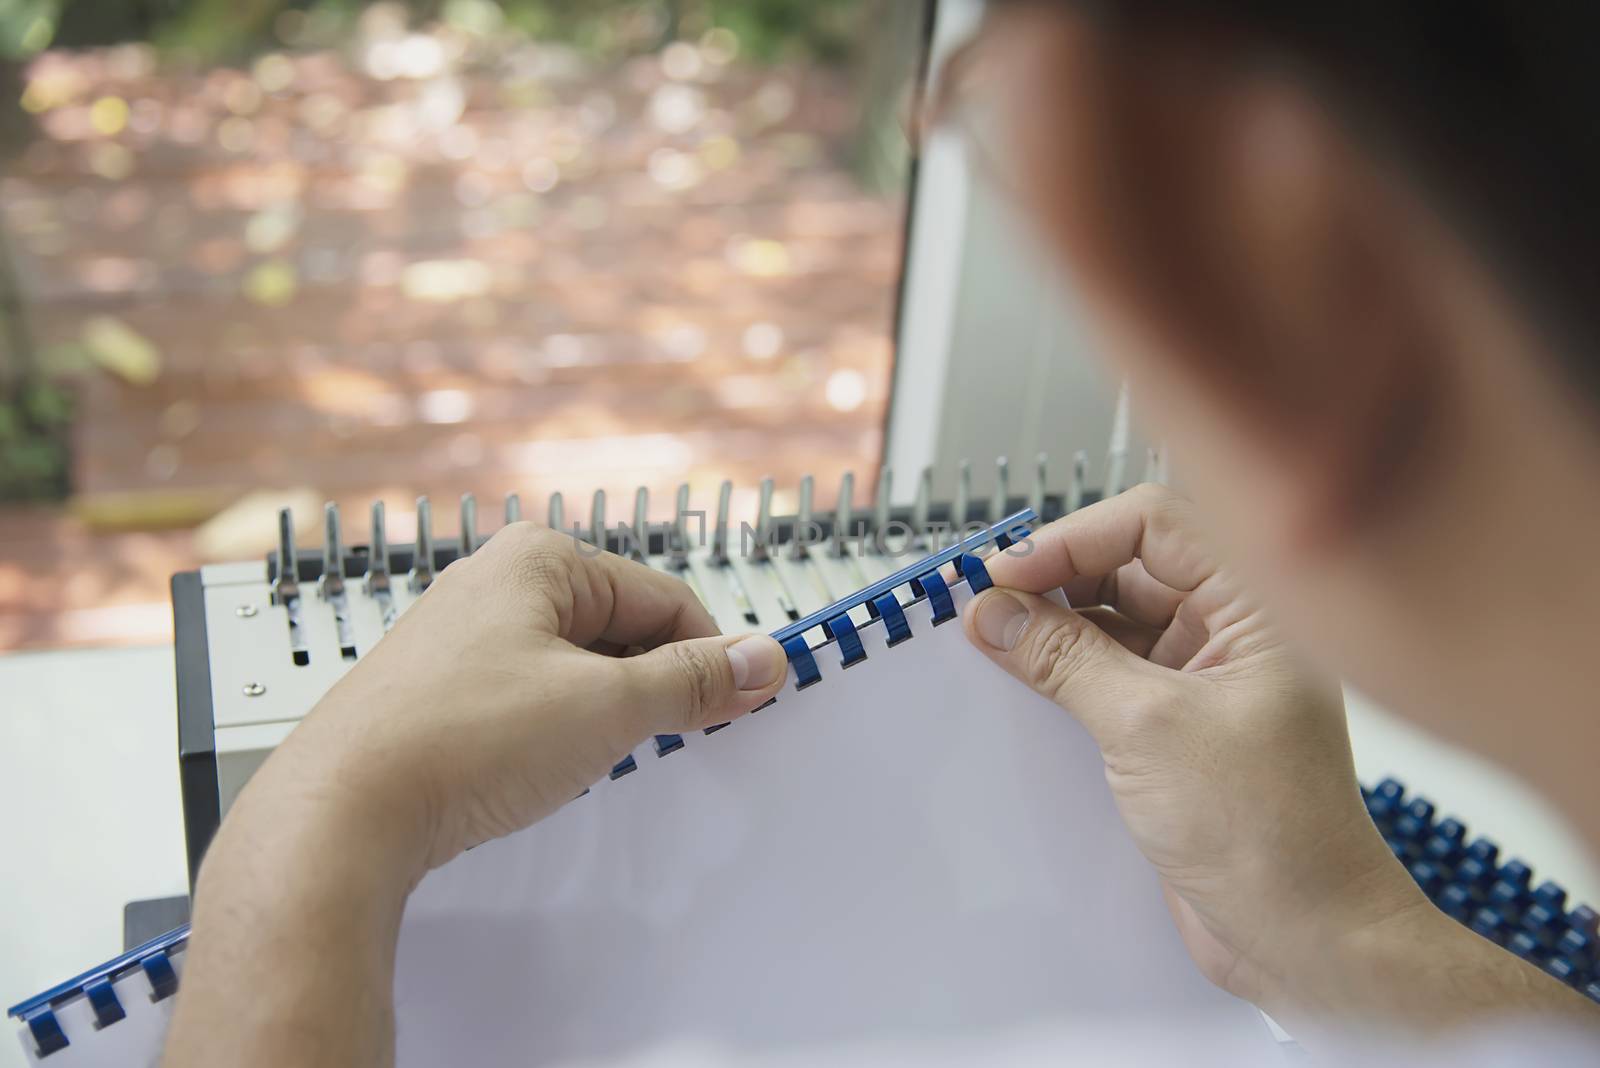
point(506, 246)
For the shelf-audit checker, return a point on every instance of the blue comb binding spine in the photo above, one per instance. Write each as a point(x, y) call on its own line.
point(1470, 872)
point(924, 573)
point(37, 1012)
point(1006, 532)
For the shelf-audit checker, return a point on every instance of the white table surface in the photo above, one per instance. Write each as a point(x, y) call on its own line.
point(89, 785)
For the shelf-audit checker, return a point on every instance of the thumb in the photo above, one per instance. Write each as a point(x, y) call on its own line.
point(1060, 654)
point(697, 683)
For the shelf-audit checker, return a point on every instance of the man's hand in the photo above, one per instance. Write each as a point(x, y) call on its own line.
point(1230, 762)
point(499, 696)
point(506, 690)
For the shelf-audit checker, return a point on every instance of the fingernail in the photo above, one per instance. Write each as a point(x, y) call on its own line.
point(757, 662)
point(1000, 620)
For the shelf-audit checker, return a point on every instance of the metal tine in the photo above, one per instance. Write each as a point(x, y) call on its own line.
point(597, 520)
point(378, 567)
point(422, 559)
point(378, 560)
point(286, 590)
point(920, 506)
point(719, 555)
point(719, 534)
point(557, 514)
point(641, 524)
point(331, 584)
point(880, 508)
point(1117, 451)
point(469, 524)
point(286, 586)
point(1080, 478)
point(763, 553)
point(1041, 464)
point(1116, 473)
point(763, 521)
point(963, 502)
point(1155, 464)
point(803, 522)
point(1002, 489)
point(679, 549)
point(843, 513)
point(513, 508)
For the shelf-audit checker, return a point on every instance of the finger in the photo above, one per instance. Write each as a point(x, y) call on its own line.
point(1135, 637)
point(634, 604)
point(1063, 656)
point(1185, 636)
point(586, 596)
point(1130, 590)
point(1148, 523)
point(693, 684)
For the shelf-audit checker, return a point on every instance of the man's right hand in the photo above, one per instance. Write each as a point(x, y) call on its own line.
point(1230, 762)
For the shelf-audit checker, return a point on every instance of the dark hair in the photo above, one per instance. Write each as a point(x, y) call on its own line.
point(1494, 106)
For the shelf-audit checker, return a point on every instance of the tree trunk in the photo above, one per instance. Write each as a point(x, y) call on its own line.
point(883, 71)
point(17, 362)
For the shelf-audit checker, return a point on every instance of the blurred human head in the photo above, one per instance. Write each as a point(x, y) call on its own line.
point(1346, 256)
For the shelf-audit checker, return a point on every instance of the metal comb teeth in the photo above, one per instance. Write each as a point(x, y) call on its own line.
point(843, 516)
point(469, 524)
point(805, 526)
point(1002, 490)
point(422, 560)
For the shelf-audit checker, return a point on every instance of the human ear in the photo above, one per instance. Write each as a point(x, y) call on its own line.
point(1258, 268)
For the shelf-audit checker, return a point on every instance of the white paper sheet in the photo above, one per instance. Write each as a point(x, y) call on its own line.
point(915, 846)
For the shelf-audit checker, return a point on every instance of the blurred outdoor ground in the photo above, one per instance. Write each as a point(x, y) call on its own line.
point(258, 253)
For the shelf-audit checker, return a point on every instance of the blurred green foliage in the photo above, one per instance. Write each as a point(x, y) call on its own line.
point(34, 421)
point(26, 26)
point(766, 29)
point(222, 29)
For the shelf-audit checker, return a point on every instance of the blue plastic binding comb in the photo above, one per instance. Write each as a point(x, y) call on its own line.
point(1468, 880)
